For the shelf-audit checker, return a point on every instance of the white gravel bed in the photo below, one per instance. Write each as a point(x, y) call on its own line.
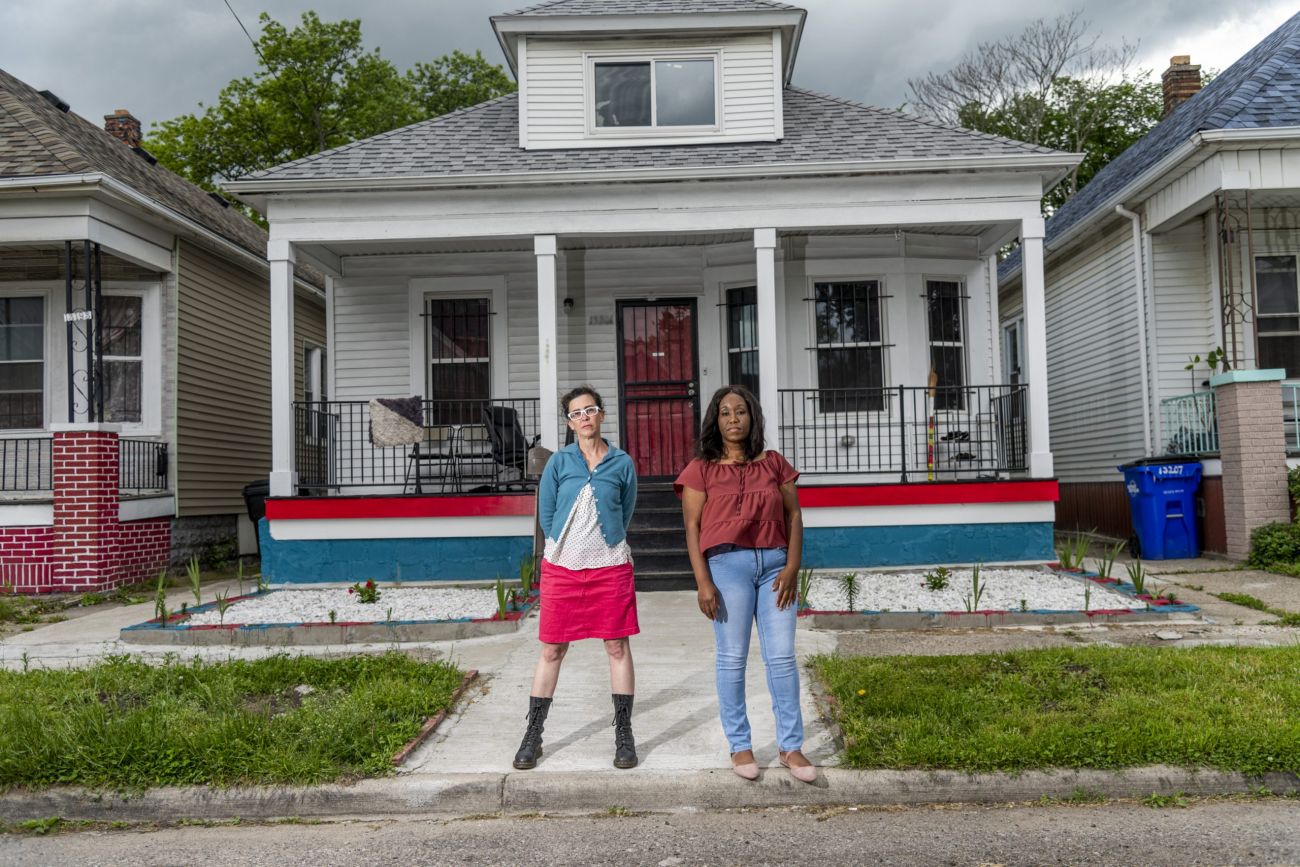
point(1005, 590)
point(314, 606)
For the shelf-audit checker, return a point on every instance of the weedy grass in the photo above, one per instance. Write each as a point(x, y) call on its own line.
point(1284, 617)
point(1233, 708)
point(123, 724)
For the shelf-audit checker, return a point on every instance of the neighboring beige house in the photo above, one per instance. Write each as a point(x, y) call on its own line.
point(184, 342)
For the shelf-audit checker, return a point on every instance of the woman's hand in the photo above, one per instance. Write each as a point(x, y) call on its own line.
point(708, 598)
point(786, 588)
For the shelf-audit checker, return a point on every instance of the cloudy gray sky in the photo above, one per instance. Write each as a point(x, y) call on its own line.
point(159, 58)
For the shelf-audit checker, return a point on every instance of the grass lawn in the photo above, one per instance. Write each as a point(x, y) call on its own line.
point(124, 724)
point(1091, 707)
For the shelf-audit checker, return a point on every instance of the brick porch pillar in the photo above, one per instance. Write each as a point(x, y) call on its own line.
point(1252, 444)
point(86, 525)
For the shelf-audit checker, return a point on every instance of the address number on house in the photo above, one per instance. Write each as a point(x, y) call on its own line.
point(79, 316)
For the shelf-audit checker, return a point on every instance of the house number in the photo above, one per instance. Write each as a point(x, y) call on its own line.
point(79, 316)
point(600, 319)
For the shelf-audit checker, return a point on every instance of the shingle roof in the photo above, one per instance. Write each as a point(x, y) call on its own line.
point(646, 7)
point(484, 139)
point(1262, 89)
point(37, 139)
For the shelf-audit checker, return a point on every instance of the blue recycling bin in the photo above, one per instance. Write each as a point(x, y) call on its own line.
point(1162, 498)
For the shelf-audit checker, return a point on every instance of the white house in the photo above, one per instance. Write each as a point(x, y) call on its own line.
point(659, 212)
point(1186, 242)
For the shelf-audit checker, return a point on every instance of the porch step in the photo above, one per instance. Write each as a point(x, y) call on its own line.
point(665, 580)
point(658, 540)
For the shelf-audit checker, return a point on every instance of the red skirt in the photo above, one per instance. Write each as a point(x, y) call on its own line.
point(587, 603)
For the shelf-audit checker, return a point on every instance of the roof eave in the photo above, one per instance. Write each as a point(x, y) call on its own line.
point(508, 28)
point(253, 191)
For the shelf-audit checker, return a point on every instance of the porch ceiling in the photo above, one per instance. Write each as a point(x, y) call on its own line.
point(518, 244)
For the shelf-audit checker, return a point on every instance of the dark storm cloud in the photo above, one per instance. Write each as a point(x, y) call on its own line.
point(160, 58)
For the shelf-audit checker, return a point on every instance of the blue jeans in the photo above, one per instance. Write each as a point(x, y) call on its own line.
point(745, 579)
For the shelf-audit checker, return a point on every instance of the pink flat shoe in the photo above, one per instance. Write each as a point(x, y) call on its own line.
point(802, 773)
point(745, 770)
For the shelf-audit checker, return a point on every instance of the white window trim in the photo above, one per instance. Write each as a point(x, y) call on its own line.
point(150, 424)
point(591, 58)
point(814, 377)
point(45, 294)
point(307, 379)
point(1259, 333)
point(448, 288)
point(1018, 323)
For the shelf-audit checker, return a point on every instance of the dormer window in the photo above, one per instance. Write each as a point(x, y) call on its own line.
point(647, 93)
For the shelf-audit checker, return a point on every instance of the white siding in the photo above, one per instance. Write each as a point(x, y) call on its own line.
point(553, 76)
point(1093, 372)
point(1184, 309)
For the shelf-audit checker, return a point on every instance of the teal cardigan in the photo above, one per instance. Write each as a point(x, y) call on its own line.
point(613, 480)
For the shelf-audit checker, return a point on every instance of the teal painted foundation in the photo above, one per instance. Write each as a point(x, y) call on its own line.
point(349, 560)
point(926, 545)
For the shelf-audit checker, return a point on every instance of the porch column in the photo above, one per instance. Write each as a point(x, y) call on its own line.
point(1035, 301)
point(765, 285)
point(548, 362)
point(284, 481)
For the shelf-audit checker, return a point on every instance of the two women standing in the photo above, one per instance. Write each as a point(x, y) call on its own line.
point(744, 533)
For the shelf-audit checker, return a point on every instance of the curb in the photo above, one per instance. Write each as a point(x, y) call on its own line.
point(654, 791)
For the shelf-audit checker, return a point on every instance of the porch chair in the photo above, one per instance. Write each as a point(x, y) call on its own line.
point(437, 451)
point(509, 446)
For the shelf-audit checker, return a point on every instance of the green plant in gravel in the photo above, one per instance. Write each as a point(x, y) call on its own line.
point(334, 616)
point(527, 575)
point(1106, 564)
point(262, 584)
point(367, 593)
point(937, 579)
point(977, 589)
point(805, 584)
point(1087, 596)
point(850, 584)
point(223, 605)
point(160, 598)
point(1232, 708)
point(503, 599)
point(1137, 576)
point(124, 724)
point(195, 574)
point(1073, 550)
point(1274, 543)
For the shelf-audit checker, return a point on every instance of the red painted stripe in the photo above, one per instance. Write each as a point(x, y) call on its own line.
point(930, 494)
point(339, 508)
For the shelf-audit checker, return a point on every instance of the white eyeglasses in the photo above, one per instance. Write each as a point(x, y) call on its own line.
point(585, 412)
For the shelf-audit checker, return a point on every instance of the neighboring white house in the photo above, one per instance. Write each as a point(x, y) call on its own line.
point(1186, 242)
point(658, 212)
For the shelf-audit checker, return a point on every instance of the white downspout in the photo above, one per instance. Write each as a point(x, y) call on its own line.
point(1139, 279)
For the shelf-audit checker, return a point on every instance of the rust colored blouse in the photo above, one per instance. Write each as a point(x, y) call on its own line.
point(744, 506)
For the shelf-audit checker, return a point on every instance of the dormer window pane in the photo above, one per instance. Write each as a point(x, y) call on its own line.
point(684, 93)
point(622, 94)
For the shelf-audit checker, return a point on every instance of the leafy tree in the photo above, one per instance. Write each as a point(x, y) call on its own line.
point(1052, 85)
point(455, 81)
point(316, 88)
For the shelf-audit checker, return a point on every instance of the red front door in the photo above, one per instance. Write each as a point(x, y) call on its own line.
point(659, 372)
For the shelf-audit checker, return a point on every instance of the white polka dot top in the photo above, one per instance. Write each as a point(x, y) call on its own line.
point(581, 544)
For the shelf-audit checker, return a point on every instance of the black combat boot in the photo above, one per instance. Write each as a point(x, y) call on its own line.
point(531, 748)
point(624, 745)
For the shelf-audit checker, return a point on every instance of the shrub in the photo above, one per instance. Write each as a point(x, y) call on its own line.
point(1293, 485)
point(1274, 543)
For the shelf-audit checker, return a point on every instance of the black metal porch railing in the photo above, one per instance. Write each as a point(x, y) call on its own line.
point(913, 433)
point(142, 465)
point(26, 464)
point(468, 445)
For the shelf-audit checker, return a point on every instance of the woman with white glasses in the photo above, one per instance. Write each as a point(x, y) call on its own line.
point(584, 503)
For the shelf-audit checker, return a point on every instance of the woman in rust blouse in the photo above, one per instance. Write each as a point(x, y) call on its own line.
point(744, 532)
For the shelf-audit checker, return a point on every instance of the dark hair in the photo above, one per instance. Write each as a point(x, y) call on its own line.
point(575, 393)
point(709, 445)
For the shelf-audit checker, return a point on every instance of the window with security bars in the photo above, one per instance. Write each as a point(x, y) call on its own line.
point(22, 362)
point(459, 336)
point(945, 308)
point(123, 342)
point(1277, 319)
point(742, 337)
point(850, 346)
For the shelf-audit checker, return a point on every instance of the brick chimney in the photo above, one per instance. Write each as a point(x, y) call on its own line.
point(1180, 82)
point(124, 127)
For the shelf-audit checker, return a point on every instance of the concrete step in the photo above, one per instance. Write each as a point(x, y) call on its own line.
point(660, 561)
point(649, 581)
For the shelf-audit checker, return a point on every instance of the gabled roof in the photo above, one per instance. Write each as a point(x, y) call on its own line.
point(646, 7)
point(481, 144)
point(37, 139)
point(1262, 89)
